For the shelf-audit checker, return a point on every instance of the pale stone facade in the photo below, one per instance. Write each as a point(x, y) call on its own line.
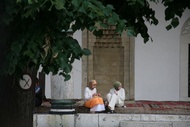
point(112, 60)
point(156, 70)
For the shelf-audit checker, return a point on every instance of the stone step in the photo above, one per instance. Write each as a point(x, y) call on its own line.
point(153, 124)
point(110, 120)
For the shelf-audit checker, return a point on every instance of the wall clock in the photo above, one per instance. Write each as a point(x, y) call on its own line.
point(25, 82)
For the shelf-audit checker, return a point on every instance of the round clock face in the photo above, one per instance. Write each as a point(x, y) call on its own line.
point(26, 82)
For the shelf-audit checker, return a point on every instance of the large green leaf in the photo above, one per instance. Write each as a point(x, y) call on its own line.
point(131, 32)
point(98, 33)
point(59, 4)
point(76, 3)
point(67, 69)
point(175, 22)
point(113, 19)
point(67, 77)
point(86, 51)
point(141, 2)
point(168, 27)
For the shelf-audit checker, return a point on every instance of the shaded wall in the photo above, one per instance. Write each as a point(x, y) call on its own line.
point(157, 63)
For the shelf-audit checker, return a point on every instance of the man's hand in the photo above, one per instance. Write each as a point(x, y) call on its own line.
point(96, 94)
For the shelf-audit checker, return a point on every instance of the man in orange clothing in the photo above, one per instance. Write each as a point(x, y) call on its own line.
point(93, 100)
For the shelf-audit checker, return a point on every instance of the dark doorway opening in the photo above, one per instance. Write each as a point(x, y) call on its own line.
point(189, 70)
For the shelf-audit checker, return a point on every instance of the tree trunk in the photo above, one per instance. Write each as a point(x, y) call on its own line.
point(16, 105)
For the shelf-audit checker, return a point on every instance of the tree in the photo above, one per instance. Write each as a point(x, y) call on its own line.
point(138, 12)
point(34, 33)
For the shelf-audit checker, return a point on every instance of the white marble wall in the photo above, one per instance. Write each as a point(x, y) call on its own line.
point(157, 72)
point(46, 120)
point(111, 120)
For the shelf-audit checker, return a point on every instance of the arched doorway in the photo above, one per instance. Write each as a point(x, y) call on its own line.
point(185, 62)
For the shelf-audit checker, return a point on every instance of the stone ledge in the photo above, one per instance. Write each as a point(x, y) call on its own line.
point(153, 124)
point(111, 120)
point(138, 107)
point(144, 124)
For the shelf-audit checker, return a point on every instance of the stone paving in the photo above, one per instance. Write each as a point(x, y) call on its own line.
point(147, 107)
point(136, 107)
point(136, 114)
point(155, 107)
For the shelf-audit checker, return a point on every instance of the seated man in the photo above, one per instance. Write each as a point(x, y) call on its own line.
point(40, 99)
point(93, 99)
point(116, 96)
point(38, 94)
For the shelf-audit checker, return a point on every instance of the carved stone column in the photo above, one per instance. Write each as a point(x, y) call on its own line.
point(61, 89)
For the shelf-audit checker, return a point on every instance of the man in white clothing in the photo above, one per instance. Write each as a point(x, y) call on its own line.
point(116, 96)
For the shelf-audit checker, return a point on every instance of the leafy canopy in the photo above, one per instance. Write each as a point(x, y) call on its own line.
point(39, 28)
point(138, 12)
point(40, 32)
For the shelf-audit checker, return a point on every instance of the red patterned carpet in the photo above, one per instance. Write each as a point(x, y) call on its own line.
point(138, 107)
point(159, 105)
point(156, 107)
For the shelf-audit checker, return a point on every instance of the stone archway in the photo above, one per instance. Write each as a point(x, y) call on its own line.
point(184, 62)
point(112, 59)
